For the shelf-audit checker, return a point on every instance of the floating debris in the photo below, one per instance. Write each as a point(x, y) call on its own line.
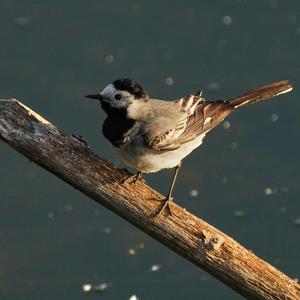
point(169, 81)
point(226, 125)
point(284, 189)
point(213, 86)
point(109, 59)
point(50, 215)
point(134, 250)
point(107, 230)
point(102, 287)
point(283, 209)
point(234, 145)
point(239, 213)
point(22, 22)
point(270, 191)
point(155, 268)
point(274, 117)
point(297, 221)
point(131, 252)
point(194, 193)
point(87, 287)
point(133, 297)
point(227, 20)
point(140, 246)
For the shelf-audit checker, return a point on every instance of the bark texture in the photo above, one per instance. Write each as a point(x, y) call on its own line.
point(70, 158)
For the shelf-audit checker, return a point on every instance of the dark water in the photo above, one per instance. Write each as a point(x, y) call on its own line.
point(53, 240)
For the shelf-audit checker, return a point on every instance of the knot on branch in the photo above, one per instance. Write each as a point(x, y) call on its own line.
point(212, 242)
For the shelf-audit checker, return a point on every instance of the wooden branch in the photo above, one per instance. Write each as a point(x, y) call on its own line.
point(70, 158)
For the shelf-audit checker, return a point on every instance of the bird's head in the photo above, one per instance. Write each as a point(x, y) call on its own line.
point(120, 94)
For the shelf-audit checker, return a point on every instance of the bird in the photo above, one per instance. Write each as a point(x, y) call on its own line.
point(151, 134)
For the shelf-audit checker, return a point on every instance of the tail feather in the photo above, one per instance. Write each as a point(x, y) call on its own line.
point(265, 92)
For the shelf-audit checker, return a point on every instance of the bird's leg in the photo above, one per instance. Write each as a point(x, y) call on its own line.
point(133, 178)
point(169, 197)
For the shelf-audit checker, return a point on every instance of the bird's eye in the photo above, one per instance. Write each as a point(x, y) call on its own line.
point(118, 96)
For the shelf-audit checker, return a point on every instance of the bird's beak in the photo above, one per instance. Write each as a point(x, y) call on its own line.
point(95, 96)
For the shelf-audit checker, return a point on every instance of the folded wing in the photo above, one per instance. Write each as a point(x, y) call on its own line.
point(200, 117)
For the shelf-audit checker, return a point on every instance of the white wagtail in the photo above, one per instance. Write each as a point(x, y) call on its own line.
point(150, 134)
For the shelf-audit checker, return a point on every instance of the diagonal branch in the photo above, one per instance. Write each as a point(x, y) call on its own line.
point(70, 158)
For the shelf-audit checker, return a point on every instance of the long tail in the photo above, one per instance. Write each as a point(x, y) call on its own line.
point(265, 92)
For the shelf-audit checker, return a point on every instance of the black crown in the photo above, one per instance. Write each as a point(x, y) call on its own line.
point(131, 86)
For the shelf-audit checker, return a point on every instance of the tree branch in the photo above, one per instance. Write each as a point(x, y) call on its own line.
point(70, 158)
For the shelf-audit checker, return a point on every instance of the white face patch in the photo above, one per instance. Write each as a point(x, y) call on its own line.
point(117, 98)
point(108, 91)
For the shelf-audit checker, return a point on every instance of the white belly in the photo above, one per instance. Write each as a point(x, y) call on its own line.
point(147, 160)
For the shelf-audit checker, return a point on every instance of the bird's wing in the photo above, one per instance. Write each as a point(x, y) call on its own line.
point(200, 117)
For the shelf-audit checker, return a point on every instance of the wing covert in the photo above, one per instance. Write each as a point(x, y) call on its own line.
point(201, 116)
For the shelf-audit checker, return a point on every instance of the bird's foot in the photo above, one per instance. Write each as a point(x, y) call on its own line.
point(167, 202)
point(133, 178)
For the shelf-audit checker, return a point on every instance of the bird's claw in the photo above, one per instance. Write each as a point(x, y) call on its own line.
point(133, 178)
point(167, 202)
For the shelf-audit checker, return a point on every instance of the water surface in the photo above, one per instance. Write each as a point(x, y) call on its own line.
point(54, 239)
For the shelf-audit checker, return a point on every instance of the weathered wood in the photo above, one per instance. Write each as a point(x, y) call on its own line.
point(69, 158)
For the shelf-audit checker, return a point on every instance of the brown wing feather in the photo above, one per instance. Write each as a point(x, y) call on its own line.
point(206, 116)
